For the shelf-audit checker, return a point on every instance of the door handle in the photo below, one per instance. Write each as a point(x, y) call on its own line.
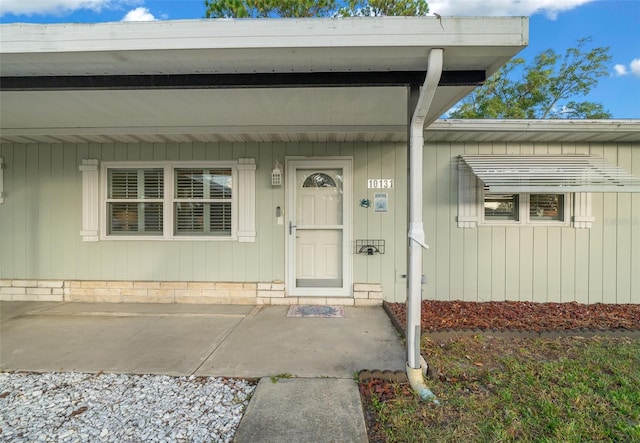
point(291, 226)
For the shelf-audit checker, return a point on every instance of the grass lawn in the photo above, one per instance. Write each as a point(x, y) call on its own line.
point(490, 389)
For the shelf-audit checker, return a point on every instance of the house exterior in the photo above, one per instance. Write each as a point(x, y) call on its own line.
point(267, 162)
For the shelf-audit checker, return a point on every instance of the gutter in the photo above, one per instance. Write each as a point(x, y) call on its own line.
point(416, 365)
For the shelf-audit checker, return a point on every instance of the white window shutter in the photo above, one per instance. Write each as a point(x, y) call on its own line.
point(468, 212)
point(247, 200)
point(582, 216)
point(90, 200)
point(1, 181)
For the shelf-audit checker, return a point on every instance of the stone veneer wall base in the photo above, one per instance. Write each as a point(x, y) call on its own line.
point(116, 291)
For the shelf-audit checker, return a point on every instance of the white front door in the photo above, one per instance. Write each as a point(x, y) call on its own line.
point(318, 230)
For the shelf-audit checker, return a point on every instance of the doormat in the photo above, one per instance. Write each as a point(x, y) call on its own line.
point(315, 311)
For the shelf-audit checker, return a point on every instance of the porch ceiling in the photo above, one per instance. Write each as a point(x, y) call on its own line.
point(288, 80)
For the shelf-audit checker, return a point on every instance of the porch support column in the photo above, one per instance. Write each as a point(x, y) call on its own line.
point(416, 228)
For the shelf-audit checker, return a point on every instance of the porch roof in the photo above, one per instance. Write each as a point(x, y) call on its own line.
point(238, 80)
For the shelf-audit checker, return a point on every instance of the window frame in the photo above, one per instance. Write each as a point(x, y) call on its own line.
point(524, 203)
point(169, 198)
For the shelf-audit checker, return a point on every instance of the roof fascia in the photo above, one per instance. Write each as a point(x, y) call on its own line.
point(532, 126)
point(266, 33)
point(544, 131)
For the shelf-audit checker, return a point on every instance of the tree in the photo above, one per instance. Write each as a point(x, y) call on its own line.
point(268, 8)
point(312, 8)
point(547, 88)
point(377, 8)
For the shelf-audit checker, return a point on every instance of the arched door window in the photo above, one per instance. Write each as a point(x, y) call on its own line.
point(319, 180)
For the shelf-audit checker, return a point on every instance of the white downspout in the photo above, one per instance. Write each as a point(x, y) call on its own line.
point(415, 363)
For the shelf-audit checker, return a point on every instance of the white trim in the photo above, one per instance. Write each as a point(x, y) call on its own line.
point(534, 130)
point(168, 200)
point(90, 200)
point(582, 215)
point(323, 34)
point(246, 190)
point(467, 197)
point(346, 163)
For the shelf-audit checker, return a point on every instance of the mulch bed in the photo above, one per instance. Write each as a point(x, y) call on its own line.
point(519, 316)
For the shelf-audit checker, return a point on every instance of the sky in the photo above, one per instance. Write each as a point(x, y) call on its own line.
point(554, 24)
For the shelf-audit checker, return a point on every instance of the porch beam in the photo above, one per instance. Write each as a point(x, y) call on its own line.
point(238, 81)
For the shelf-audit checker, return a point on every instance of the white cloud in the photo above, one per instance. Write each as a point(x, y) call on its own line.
point(635, 67)
point(620, 69)
point(139, 15)
point(551, 8)
point(59, 7)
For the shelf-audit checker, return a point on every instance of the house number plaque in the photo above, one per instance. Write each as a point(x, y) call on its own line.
point(380, 183)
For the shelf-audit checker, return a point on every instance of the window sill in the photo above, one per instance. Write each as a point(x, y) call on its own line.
point(525, 225)
point(155, 238)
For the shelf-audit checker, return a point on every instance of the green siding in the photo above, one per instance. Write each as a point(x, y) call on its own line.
point(40, 222)
point(533, 263)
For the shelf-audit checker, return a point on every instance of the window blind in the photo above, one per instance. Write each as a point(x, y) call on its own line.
point(133, 205)
point(202, 203)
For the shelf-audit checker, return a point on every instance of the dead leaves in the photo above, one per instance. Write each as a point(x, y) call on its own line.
point(525, 316)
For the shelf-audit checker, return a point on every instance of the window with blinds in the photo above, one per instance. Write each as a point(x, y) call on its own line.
point(525, 208)
point(501, 207)
point(544, 207)
point(203, 201)
point(178, 200)
point(135, 201)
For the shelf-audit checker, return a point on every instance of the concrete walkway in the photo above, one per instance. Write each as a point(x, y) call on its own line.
point(322, 355)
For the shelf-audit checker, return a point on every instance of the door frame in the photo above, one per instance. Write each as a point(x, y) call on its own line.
point(291, 165)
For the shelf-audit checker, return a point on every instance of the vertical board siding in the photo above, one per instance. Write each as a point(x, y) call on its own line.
point(400, 240)
point(471, 241)
point(388, 221)
point(624, 237)
point(456, 242)
point(544, 263)
point(59, 195)
point(635, 229)
point(443, 223)
point(373, 219)
point(7, 211)
point(499, 248)
point(40, 221)
point(430, 200)
point(374, 161)
point(512, 263)
point(266, 226)
point(360, 215)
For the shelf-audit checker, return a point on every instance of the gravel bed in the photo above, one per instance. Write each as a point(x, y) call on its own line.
point(77, 407)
